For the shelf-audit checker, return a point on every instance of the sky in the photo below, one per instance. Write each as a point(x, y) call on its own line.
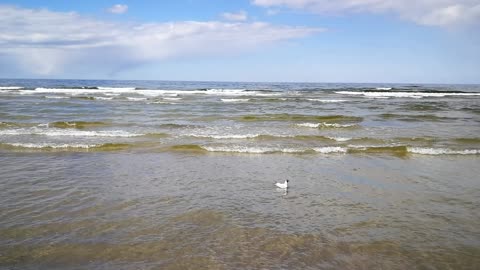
point(364, 41)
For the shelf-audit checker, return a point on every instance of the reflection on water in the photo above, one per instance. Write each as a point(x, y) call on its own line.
point(188, 211)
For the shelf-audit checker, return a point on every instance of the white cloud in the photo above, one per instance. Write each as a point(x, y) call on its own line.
point(237, 16)
point(424, 12)
point(118, 9)
point(46, 42)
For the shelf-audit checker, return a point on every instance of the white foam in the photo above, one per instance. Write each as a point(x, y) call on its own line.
point(384, 88)
point(253, 150)
point(227, 136)
point(116, 89)
point(136, 99)
point(333, 125)
point(235, 99)
point(310, 125)
point(340, 139)
point(404, 94)
point(327, 100)
point(172, 98)
point(68, 132)
point(56, 97)
point(53, 145)
point(11, 87)
point(148, 92)
point(442, 151)
point(330, 149)
point(103, 98)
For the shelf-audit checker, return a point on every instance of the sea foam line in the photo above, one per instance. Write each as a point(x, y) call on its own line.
point(53, 145)
point(11, 87)
point(442, 151)
point(148, 92)
point(327, 100)
point(404, 94)
point(72, 133)
point(332, 125)
point(235, 99)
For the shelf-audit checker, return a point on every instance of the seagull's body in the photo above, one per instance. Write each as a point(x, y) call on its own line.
point(283, 185)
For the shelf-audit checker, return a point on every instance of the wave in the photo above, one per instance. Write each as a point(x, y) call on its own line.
point(11, 87)
point(59, 146)
point(68, 132)
point(400, 151)
point(255, 150)
point(298, 117)
point(384, 88)
point(103, 98)
point(412, 117)
point(150, 92)
point(136, 99)
point(56, 97)
point(235, 99)
point(326, 125)
point(442, 151)
point(407, 94)
point(268, 137)
point(327, 100)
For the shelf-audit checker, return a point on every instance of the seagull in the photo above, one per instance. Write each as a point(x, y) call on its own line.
point(283, 185)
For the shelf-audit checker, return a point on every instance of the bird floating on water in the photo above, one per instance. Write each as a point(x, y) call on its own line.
point(283, 185)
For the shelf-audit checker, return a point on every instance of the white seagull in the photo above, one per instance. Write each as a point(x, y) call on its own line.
point(283, 185)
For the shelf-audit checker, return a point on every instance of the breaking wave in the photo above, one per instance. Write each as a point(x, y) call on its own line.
point(59, 146)
point(326, 125)
point(407, 94)
point(298, 117)
point(69, 132)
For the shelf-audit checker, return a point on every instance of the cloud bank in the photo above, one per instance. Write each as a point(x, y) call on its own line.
point(44, 42)
point(443, 13)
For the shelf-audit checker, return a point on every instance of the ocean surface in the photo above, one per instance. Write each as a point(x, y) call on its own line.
point(180, 175)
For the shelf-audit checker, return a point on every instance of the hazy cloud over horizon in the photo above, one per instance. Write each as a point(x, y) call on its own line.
point(39, 46)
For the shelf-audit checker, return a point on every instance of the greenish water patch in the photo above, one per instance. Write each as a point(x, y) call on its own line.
point(399, 151)
point(299, 117)
point(414, 118)
point(78, 124)
point(297, 137)
point(467, 140)
point(85, 98)
point(186, 148)
point(156, 135)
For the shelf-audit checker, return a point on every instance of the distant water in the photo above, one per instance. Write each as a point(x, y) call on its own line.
point(179, 175)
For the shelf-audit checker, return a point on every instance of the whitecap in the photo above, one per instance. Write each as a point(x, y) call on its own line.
point(11, 87)
point(442, 151)
point(68, 132)
point(330, 149)
point(52, 145)
point(327, 100)
point(235, 99)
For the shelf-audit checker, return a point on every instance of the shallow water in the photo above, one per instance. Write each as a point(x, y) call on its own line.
point(123, 184)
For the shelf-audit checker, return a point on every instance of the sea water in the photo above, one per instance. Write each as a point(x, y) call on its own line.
point(180, 175)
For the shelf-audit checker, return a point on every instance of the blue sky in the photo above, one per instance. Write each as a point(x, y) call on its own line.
point(421, 41)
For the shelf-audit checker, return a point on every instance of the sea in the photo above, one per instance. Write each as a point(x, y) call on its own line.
point(99, 174)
